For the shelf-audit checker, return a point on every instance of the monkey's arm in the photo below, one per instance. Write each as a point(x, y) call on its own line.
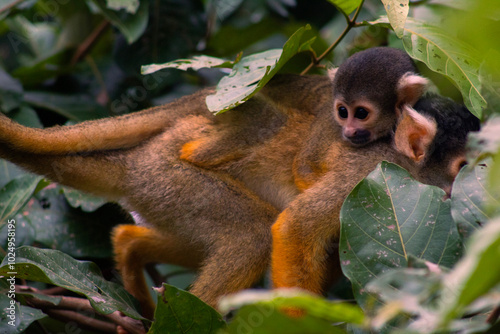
point(304, 233)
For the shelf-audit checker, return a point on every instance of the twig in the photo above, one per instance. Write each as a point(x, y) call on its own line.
point(493, 317)
point(87, 44)
point(350, 24)
point(83, 321)
point(72, 304)
point(57, 290)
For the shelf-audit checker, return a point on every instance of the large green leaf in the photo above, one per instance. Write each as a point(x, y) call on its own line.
point(475, 274)
point(397, 12)
point(179, 311)
point(445, 54)
point(252, 72)
point(54, 267)
point(388, 217)
point(469, 198)
point(346, 6)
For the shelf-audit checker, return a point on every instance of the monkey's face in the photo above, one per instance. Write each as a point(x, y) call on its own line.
point(360, 121)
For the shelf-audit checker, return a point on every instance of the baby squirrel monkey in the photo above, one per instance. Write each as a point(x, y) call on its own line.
point(218, 219)
point(369, 91)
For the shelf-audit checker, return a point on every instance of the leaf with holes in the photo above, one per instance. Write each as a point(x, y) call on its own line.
point(447, 55)
point(397, 12)
point(388, 217)
point(196, 63)
point(252, 72)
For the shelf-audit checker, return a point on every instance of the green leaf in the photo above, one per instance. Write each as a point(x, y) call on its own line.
point(182, 312)
point(268, 307)
point(130, 6)
point(57, 225)
point(73, 107)
point(132, 26)
point(406, 291)
point(15, 318)
point(78, 199)
point(195, 63)
point(397, 12)
point(475, 274)
point(25, 115)
point(12, 92)
point(15, 194)
point(447, 55)
point(469, 198)
point(252, 72)
point(346, 6)
point(486, 142)
point(388, 217)
point(85, 278)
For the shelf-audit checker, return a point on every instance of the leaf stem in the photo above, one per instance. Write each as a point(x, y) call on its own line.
point(350, 24)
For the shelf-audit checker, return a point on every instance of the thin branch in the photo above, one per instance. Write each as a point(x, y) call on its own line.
point(90, 41)
point(493, 317)
point(350, 24)
point(57, 290)
point(81, 321)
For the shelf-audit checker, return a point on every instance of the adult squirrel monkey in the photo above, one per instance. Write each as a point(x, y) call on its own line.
point(218, 218)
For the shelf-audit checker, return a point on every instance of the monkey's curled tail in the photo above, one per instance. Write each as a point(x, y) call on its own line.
point(104, 134)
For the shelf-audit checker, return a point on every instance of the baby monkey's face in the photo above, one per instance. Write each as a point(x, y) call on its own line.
point(361, 121)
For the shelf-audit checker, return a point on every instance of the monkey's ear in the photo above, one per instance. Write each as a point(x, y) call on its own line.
point(409, 89)
point(331, 72)
point(414, 134)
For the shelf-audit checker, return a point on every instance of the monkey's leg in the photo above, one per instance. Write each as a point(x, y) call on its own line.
point(135, 246)
point(237, 265)
point(304, 237)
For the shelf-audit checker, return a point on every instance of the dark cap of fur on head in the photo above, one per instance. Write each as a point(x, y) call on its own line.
point(454, 122)
point(373, 74)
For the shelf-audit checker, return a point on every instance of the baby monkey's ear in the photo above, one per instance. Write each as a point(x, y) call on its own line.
point(331, 72)
point(409, 89)
point(414, 134)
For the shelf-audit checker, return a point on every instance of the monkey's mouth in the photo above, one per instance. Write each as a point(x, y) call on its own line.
point(358, 140)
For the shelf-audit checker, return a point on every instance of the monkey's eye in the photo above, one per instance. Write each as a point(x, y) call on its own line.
point(343, 112)
point(361, 113)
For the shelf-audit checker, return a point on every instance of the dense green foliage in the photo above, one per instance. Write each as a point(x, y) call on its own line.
point(67, 61)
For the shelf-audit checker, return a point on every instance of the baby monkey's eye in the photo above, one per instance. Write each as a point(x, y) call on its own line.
point(343, 112)
point(361, 113)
